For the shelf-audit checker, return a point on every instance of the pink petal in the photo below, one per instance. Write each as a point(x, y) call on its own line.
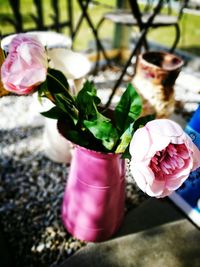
point(180, 162)
point(165, 127)
point(173, 184)
point(184, 172)
point(164, 169)
point(138, 177)
point(140, 144)
point(165, 193)
point(196, 157)
point(158, 144)
point(25, 53)
point(156, 189)
point(25, 66)
point(147, 172)
point(183, 151)
point(144, 144)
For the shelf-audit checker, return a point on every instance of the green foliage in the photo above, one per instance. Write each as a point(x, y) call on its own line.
point(59, 80)
point(128, 109)
point(103, 129)
point(87, 101)
point(126, 137)
point(53, 113)
point(142, 121)
point(56, 88)
point(80, 119)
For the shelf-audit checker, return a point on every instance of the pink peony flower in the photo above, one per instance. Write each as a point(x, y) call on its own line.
point(25, 66)
point(163, 156)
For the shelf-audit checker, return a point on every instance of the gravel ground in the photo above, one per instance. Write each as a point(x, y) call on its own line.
point(32, 186)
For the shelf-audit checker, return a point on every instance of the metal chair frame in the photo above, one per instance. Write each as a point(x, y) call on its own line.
point(141, 41)
point(136, 18)
point(17, 19)
point(128, 18)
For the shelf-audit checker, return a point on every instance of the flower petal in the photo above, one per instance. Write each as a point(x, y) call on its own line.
point(25, 66)
point(73, 65)
point(173, 184)
point(196, 157)
point(138, 177)
point(156, 189)
point(165, 193)
point(140, 144)
point(165, 127)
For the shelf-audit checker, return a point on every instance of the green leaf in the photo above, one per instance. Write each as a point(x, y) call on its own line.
point(57, 77)
point(66, 106)
point(137, 124)
point(76, 138)
point(56, 83)
point(126, 154)
point(97, 124)
point(54, 113)
point(125, 140)
point(128, 134)
point(128, 109)
point(142, 121)
point(87, 101)
point(68, 130)
point(43, 91)
point(103, 129)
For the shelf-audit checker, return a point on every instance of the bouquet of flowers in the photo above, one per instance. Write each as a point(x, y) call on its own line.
point(161, 154)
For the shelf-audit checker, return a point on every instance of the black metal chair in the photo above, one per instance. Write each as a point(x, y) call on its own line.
point(83, 5)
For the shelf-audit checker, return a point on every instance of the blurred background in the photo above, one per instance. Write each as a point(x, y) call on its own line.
point(31, 183)
point(189, 23)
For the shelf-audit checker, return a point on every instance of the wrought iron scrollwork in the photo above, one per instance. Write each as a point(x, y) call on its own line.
point(16, 20)
point(39, 19)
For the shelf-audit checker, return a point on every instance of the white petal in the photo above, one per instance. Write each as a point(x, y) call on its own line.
point(140, 144)
point(138, 177)
point(24, 52)
point(165, 127)
point(73, 65)
point(158, 143)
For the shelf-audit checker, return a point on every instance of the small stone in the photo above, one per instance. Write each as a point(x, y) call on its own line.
point(40, 247)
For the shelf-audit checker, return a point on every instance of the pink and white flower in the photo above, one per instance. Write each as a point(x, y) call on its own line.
point(163, 156)
point(25, 66)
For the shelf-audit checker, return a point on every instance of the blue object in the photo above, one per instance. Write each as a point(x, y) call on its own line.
point(194, 123)
point(193, 127)
point(187, 197)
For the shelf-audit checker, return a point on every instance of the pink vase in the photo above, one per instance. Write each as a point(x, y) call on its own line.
point(93, 203)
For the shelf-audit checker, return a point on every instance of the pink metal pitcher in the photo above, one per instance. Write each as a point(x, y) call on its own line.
point(93, 203)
